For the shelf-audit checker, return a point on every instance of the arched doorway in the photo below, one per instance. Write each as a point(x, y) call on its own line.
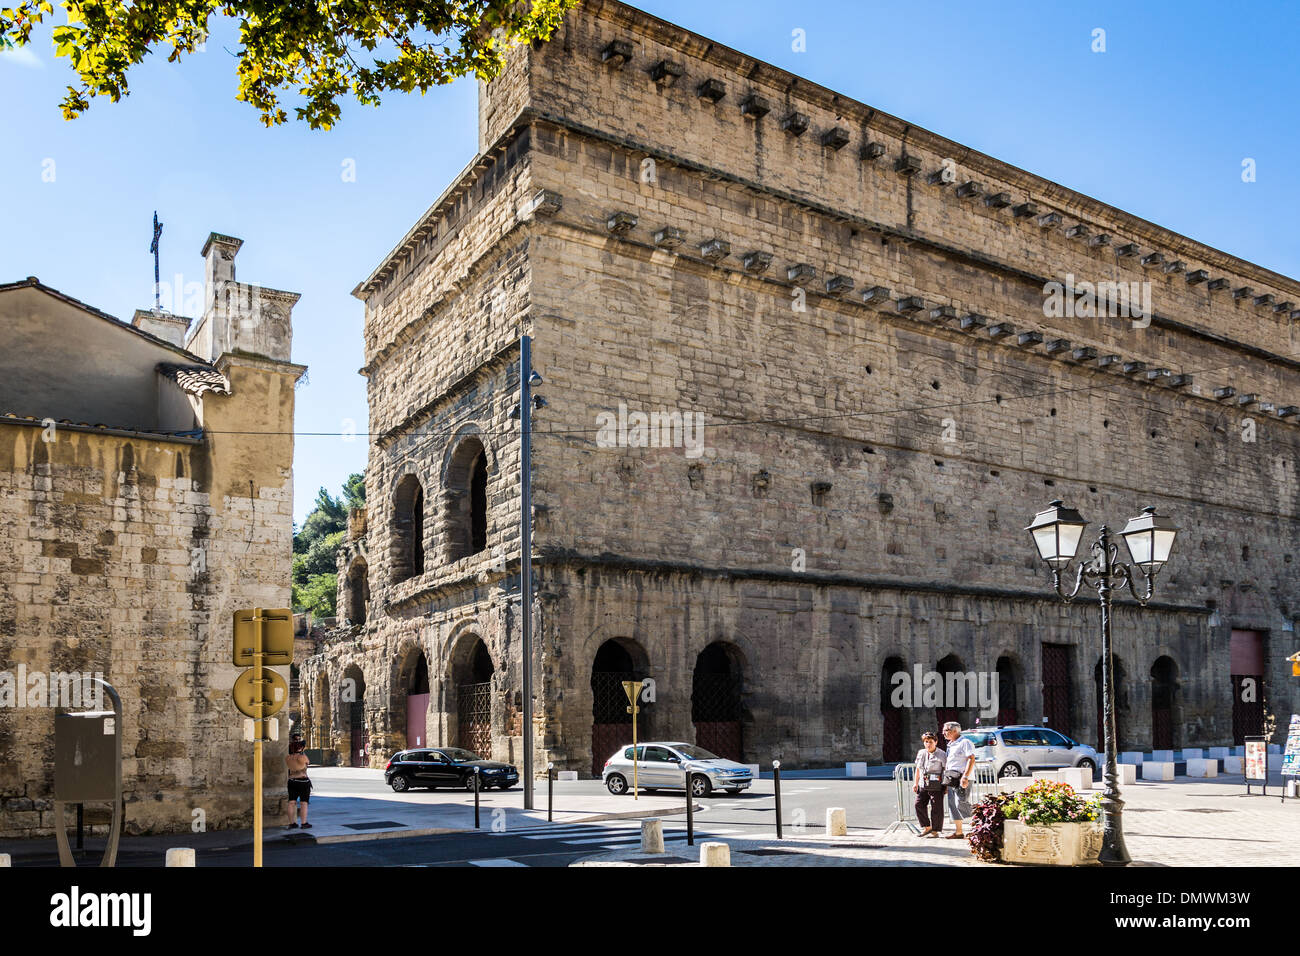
point(1121, 722)
point(1008, 711)
point(417, 703)
point(358, 592)
point(352, 700)
point(947, 710)
point(891, 714)
point(472, 676)
point(1164, 685)
point(715, 701)
point(611, 725)
point(320, 730)
point(1246, 666)
point(1056, 686)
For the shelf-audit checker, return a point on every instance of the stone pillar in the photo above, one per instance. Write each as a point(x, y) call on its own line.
point(715, 854)
point(652, 836)
point(836, 822)
point(180, 856)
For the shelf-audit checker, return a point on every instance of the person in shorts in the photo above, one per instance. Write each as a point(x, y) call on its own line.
point(299, 783)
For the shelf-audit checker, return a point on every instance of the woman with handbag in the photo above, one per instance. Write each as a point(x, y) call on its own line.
point(299, 782)
point(928, 786)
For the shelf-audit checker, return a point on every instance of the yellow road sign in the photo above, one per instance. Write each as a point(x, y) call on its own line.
point(260, 700)
point(277, 636)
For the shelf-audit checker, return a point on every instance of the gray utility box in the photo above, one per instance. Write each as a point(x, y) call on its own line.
point(85, 756)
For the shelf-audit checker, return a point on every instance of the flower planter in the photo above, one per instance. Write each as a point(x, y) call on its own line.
point(1054, 844)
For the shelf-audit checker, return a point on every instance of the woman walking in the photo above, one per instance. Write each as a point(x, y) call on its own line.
point(928, 787)
point(299, 783)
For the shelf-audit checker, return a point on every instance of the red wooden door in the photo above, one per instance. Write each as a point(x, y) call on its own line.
point(1056, 687)
point(417, 709)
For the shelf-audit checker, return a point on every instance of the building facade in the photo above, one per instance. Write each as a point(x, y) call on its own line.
point(810, 370)
point(146, 493)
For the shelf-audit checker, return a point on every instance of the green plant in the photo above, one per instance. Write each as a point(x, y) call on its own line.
point(1046, 801)
point(986, 826)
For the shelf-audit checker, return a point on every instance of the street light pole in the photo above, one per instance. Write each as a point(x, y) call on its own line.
point(526, 553)
point(1149, 538)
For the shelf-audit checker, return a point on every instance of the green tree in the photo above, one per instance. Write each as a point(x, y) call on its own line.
point(316, 546)
point(322, 49)
point(317, 595)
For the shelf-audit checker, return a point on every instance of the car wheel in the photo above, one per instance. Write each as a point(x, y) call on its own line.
point(1085, 762)
point(399, 783)
point(469, 783)
point(616, 783)
point(700, 786)
point(1009, 770)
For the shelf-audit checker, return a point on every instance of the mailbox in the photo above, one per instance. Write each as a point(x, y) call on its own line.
point(85, 756)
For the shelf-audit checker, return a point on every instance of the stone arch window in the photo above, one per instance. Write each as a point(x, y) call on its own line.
point(358, 591)
point(466, 499)
point(408, 529)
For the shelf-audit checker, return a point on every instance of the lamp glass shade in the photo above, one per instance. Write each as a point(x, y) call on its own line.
point(1057, 532)
point(1150, 539)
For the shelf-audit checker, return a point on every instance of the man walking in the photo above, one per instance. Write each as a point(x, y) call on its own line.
point(959, 768)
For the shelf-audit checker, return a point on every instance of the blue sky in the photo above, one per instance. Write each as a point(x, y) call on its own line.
point(1158, 124)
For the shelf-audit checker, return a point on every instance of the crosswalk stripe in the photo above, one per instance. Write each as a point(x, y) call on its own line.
point(496, 861)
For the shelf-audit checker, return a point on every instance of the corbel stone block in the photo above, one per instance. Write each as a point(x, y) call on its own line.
point(546, 203)
point(616, 54)
point(910, 304)
point(620, 223)
point(871, 151)
point(1215, 285)
point(1049, 220)
point(801, 274)
point(997, 200)
point(796, 124)
point(1179, 381)
point(1029, 339)
point(970, 190)
point(715, 249)
point(667, 72)
point(669, 237)
point(755, 106)
point(1226, 392)
point(1058, 345)
point(1288, 411)
point(1282, 307)
point(943, 313)
point(756, 262)
point(1001, 330)
point(1242, 292)
point(1197, 276)
point(1128, 250)
point(1244, 401)
point(711, 90)
point(1265, 299)
point(907, 165)
point(1158, 374)
point(1085, 354)
point(1106, 361)
point(1100, 240)
point(1077, 231)
point(836, 138)
point(1134, 368)
point(1175, 267)
point(838, 285)
point(1153, 260)
point(1024, 210)
point(876, 295)
point(973, 320)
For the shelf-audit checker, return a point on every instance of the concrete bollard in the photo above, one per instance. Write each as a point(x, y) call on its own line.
point(566, 775)
point(837, 823)
point(1200, 767)
point(715, 854)
point(1157, 770)
point(1131, 756)
point(1052, 775)
point(652, 835)
point(1127, 772)
point(1234, 764)
point(1161, 756)
point(4, 860)
point(180, 856)
point(855, 768)
point(1218, 753)
point(1193, 753)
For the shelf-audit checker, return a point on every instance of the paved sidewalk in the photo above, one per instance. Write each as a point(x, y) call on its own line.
point(1186, 822)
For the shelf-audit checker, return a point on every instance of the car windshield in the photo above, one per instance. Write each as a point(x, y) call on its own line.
point(695, 753)
point(460, 756)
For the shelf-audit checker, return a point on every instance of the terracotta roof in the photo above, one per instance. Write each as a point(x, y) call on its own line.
point(195, 379)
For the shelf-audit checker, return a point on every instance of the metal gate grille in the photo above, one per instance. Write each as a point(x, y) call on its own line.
point(1247, 716)
point(891, 744)
point(474, 717)
point(611, 725)
point(715, 711)
point(1056, 687)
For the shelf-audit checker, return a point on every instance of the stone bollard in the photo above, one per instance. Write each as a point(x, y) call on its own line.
point(836, 822)
point(4, 860)
point(180, 856)
point(715, 854)
point(566, 775)
point(652, 835)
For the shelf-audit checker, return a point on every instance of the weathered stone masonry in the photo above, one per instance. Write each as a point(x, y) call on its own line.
point(857, 305)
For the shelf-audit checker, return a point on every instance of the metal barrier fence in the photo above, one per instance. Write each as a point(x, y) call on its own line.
point(985, 783)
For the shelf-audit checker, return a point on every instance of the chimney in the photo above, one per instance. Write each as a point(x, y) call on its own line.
point(238, 316)
point(162, 325)
point(219, 263)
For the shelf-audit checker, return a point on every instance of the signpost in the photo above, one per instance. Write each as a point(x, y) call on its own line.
point(261, 638)
point(632, 688)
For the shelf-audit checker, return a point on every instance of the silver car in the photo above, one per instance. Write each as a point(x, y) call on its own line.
point(1020, 750)
point(665, 766)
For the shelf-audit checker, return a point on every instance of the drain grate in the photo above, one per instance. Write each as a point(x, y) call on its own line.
point(1205, 810)
point(768, 851)
point(374, 825)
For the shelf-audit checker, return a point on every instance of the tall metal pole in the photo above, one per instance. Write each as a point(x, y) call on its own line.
point(1113, 850)
point(526, 552)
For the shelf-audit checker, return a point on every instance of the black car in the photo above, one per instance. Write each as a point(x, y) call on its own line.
point(447, 767)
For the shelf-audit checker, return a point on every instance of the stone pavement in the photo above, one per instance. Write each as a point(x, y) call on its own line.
point(1185, 822)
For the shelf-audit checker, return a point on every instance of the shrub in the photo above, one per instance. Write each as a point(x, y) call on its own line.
point(986, 826)
point(1045, 802)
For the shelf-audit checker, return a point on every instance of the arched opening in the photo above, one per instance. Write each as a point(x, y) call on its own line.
point(358, 592)
point(417, 703)
point(319, 730)
point(1164, 688)
point(953, 691)
point(352, 704)
point(1008, 683)
point(715, 700)
point(891, 712)
point(471, 675)
point(1056, 687)
point(1120, 704)
point(408, 529)
point(467, 500)
point(1246, 666)
point(616, 661)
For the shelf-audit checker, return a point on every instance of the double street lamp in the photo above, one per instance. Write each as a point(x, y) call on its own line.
point(1057, 532)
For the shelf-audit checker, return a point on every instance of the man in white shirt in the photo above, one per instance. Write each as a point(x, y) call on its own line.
point(961, 761)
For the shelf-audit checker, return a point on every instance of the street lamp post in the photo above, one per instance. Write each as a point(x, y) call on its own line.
point(1149, 538)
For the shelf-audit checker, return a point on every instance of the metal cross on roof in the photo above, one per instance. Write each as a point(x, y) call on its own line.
point(153, 247)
